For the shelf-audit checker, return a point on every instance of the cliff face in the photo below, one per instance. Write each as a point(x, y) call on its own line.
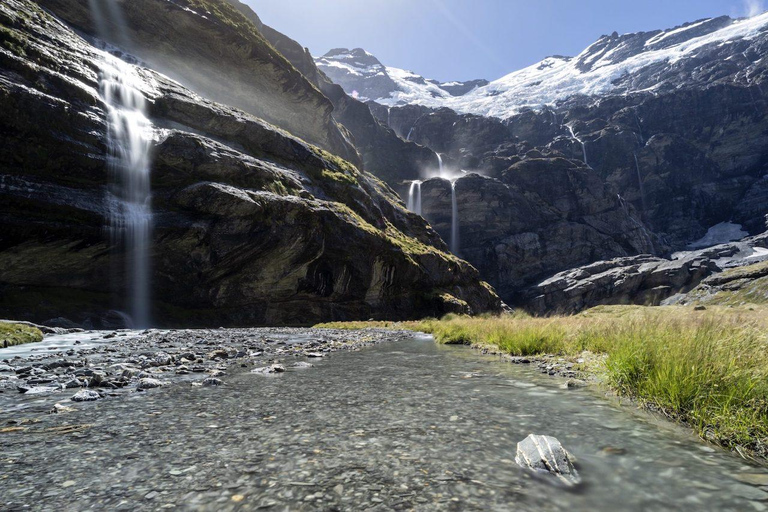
point(251, 224)
point(381, 150)
point(215, 50)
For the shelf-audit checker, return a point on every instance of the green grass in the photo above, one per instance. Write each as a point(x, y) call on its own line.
point(17, 334)
point(708, 369)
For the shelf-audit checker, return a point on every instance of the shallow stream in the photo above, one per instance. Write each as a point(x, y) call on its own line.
point(402, 425)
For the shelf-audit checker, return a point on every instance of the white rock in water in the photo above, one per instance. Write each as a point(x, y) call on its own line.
point(545, 454)
point(85, 395)
point(275, 368)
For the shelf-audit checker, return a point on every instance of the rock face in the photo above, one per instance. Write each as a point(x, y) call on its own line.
point(382, 151)
point(546, 456)
point(679, 137)
point(649, 280)
point(251, 224)
point(540, 215)
point(214, 50)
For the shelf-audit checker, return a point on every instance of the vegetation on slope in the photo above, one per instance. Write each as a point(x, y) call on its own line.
point(706, 368)
point(17, 334)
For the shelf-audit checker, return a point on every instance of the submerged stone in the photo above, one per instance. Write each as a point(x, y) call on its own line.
point(545, 455)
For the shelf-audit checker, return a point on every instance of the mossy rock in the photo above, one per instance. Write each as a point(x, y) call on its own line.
point(17, 334)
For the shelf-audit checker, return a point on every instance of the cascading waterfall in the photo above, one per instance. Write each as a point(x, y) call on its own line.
point(410, 132)
point(440, 163)
point(455, 242)
point(414, 197)
point(129, 138)
point(583, 146)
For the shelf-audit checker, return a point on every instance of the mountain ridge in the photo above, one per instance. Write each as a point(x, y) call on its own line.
point(651, 58)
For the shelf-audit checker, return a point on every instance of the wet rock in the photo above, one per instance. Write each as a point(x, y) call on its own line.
point(545, 455)
point(162, 359)
point(85, 395)
point(149, 383)
point(275, 368)
point(73, 383)
point(61, 409)
point(212, 381)
point(302, 364)
point(218, 354)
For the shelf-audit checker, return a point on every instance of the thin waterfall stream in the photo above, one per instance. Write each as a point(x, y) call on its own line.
point(583, 146)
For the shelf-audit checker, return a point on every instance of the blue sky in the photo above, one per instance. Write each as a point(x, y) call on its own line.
point(465, 39)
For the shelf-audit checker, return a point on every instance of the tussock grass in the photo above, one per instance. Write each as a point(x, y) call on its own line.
point(16, 334)
point(708, 369)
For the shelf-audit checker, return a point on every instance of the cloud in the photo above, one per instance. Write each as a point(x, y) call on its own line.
point(754, 7)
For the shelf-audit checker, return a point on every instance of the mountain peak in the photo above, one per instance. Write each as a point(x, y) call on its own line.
point(361, 74)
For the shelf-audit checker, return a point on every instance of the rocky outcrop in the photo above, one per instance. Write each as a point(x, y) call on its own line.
point(382, 151)
point(251, 224)
point(648, 280)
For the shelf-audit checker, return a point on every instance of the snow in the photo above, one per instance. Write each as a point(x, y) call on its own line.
point(669, 33)
point(413, 90)
point(558, 78)
point(719, 234)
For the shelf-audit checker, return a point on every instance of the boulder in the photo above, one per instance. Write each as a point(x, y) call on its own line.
point(544, 455)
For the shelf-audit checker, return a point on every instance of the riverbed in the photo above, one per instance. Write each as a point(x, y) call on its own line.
point(401, 425)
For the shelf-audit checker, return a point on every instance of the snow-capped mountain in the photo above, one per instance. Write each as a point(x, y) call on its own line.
point(704, 52)
point(365, 77)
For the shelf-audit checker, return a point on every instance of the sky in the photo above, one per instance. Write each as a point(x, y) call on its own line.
point(466, 39)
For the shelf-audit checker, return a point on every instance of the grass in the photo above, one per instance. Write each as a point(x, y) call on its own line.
point(17, 334)
point(708, 369)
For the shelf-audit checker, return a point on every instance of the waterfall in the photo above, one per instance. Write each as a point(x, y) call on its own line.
point(109, 21)
point(129, 138)
point(440, 163)
point(640, 183)
point(410, 132)
point(583, 146)
point(414, 197)
point(455, 242)
point(389, 117)
point(638, 224)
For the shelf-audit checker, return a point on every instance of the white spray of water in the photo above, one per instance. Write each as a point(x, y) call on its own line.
point(754, 7)
point(414, 197)
point(410, 132)
point(583, 146)
point(455, 242)
point(440, 163)
point(129, 139)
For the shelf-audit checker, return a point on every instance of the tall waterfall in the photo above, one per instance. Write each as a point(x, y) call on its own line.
point(583, 146)
point(410, 132)
point(440, 162)
point(129, 138)
point(455, 242)
point(414, 197)
point(640, 183)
